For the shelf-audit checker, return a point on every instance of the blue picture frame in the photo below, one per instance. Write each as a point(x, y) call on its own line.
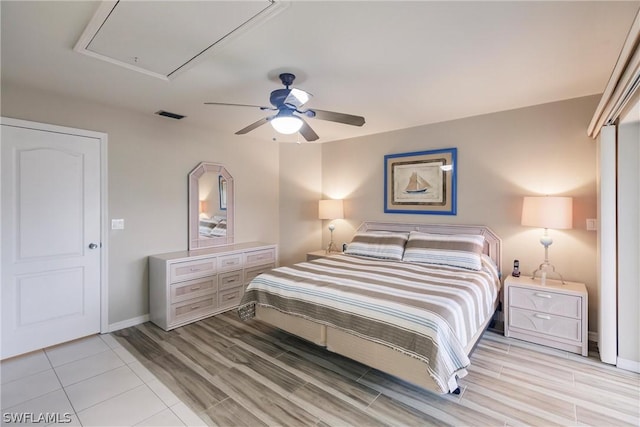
point(421, 182)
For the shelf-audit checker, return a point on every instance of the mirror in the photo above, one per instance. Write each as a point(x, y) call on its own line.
point(210, 206)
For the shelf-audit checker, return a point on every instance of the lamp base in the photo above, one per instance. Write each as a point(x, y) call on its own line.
point(332, 247)
point(546, 241)
point(543, 268)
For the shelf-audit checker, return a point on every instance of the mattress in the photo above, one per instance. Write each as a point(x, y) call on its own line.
point(429, 313)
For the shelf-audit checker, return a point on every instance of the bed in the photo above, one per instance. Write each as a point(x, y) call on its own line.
point(411, 300)
point(212, 227)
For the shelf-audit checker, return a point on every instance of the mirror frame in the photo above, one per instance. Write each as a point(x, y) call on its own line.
point(195, 241)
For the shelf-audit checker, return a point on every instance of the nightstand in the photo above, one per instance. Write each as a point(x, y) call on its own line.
point(552, 314)
point(319, 254)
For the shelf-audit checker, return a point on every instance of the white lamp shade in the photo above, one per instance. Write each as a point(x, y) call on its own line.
point(330, 209)
point(286, 124)
point(548, 212)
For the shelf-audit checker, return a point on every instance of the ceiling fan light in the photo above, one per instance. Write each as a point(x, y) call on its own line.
point(286, 124)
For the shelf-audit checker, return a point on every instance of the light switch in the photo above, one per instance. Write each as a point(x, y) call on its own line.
point(592, 224)
point(117, 224)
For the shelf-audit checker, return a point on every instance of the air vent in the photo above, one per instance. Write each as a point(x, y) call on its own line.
point(170, 115)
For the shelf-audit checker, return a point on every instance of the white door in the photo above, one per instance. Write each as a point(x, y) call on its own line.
point(50, 236)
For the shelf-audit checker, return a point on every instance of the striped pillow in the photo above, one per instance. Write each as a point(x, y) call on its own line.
point(206, 225)
point(457, 250)
point(220, 229)
point(378, 244)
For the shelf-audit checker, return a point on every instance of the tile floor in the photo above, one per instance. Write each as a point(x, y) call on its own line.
point(93, 381)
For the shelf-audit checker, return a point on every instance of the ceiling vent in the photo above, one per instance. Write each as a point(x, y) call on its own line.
point(170, 115)
point(163, 39)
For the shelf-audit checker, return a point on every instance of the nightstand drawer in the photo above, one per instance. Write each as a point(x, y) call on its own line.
point(230, 279)
point(192, 289)
point(545, 324)
point(191, 269)
point(545, 301)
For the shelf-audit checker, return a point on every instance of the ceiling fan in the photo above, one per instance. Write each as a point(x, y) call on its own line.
point(288, 119)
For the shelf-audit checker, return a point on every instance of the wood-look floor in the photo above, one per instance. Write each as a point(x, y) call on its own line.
point(235, 373)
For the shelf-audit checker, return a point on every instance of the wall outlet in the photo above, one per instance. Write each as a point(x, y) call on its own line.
point(117, 224)
point(592, 224)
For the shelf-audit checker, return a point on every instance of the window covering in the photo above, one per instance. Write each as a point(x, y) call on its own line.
point(623, 83)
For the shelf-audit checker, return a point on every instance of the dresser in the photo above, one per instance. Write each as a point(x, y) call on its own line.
point(553, 314)
point(187, 286)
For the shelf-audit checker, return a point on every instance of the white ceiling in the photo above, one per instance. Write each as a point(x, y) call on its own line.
point(398, 64)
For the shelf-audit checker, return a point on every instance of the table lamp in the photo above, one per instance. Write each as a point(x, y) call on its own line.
point(547, 212)
point(331, 209)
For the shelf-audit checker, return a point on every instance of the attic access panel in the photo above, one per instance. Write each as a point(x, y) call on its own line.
point(162, 38)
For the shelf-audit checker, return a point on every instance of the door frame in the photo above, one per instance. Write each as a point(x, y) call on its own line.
point(104, 258)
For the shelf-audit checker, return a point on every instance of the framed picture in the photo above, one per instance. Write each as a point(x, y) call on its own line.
point(422, 182)
point(222, 190)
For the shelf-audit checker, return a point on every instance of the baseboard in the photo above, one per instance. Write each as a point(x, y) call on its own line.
point(593, 337)
point(128, 323)
point(628, 365)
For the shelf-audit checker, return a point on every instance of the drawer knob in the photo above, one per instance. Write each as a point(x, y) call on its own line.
point(542, 316)
point(195, 288)
point(538, 294)
point(193, 307)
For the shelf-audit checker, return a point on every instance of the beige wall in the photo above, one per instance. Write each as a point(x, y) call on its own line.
point(501, 157)
point(300, 190)
point(149, 158)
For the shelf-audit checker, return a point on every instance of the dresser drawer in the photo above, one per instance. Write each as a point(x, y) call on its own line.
point(546, 324)
point(250, 273)
point(545, 301)
point(229, 262)
point(193, 308)
point(260, 257)
point(230, 297)
point(181, 271)
point(192, 288)
point(229, 279)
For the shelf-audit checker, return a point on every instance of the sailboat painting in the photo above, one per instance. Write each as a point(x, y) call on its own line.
point(421, 182)
point(417, 184)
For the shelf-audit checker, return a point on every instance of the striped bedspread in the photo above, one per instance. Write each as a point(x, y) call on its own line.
point(426, 311)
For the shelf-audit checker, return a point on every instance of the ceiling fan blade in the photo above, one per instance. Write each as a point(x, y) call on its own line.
point(239, 105)
point(332, 116)
point(254, 125)
point(307, 132)
point(297, 97)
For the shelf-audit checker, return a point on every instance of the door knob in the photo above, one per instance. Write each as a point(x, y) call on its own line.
point(92, 245)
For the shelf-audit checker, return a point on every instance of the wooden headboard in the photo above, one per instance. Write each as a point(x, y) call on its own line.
point(492, 246)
